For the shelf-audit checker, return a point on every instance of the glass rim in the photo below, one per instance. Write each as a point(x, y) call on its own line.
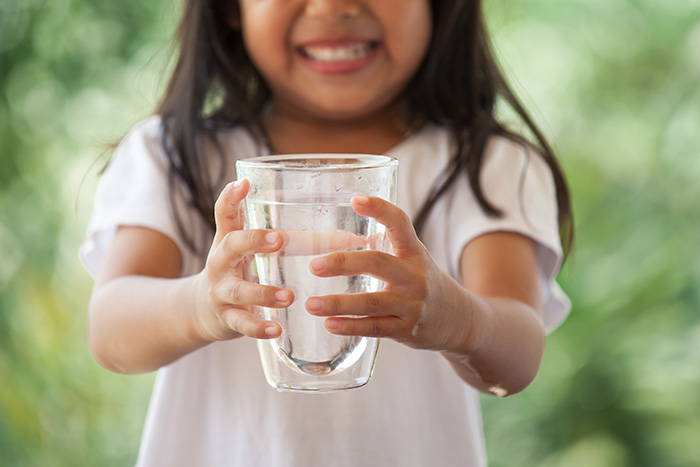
point(319, 161)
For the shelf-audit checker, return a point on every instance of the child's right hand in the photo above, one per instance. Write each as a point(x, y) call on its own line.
point(225, 300)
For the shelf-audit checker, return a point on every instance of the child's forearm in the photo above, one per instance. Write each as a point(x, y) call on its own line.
point(505, 346)
point(139, 324)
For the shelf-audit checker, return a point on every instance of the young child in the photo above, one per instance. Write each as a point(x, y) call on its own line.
point(468, 298)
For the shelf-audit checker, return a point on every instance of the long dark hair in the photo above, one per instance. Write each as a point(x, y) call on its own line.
point(215, 85)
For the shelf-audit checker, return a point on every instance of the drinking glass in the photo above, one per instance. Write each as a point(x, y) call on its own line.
point(306, 198)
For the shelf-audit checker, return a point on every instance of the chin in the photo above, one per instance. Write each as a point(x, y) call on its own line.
point(342, 111)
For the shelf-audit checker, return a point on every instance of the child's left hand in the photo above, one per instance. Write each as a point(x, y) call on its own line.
point(420, 305)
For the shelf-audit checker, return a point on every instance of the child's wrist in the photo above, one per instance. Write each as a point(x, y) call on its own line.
point(203, 326)
point(195, 328)
point(469, 333)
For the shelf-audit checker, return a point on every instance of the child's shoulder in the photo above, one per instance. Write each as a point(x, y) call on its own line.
point(501, 150)
point(509, 146)
point(142, 144)
point(509, 155)
point(497, 143)
point(508, 161)
point(150, 127)
point(146, 138)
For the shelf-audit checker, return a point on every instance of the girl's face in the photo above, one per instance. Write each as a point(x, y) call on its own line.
point(336, 59)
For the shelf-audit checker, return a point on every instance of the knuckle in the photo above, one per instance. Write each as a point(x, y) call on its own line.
point(420, 291)
point(340, 260)
point(248, 329)
point(228, 243)
point(375, 330)
point(380, 260)
point(237, 322)
point(266, 295)
point(373, 303)
point(236, 292)
point(332, 302)
point(254, 237)
point(212, 292)
point(219, 205)
point(404, 219)
point(239, 325)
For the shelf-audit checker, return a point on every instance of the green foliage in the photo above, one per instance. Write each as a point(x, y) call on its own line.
point(613, 82)
point(66, 71)
point(618, 85)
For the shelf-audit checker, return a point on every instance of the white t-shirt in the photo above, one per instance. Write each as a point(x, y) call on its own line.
point(213, 406)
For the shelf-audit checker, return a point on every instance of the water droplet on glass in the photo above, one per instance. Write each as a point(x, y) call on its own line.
point(338, 187)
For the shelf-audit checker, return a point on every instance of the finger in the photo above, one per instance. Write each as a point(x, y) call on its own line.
point(236, 245)
point(227, 213)
point(239, 292)
point(380, 241)
point(381, 326)
point(246, 323)
point(398, 226)
point(352, 263)
point(359, 304)
point(316, 242)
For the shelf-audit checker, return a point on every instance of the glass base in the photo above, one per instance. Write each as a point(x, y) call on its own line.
point(317, 388)
point(286, 375)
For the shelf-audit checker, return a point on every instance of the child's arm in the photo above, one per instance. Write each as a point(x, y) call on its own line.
point(500, 271)
point(143, 317)
point(490, 327)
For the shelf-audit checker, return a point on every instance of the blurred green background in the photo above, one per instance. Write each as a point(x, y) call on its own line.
point(615, 83)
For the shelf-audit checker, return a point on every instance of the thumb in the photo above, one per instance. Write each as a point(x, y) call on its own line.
point(399, 229)
point(227, 212)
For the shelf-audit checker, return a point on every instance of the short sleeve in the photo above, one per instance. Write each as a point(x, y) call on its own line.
point(517, 181)
point(133, 191)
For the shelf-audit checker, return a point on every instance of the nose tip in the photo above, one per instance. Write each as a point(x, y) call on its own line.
point(332, 9)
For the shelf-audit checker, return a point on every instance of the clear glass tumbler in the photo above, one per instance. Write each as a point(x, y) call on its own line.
point(307, 199)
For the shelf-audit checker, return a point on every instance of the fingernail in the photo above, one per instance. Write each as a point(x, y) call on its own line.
point(271, 238)
point(314, 304)
point(282, 295)
point(271, 330)
point(361, 200)
point(332, 324)
point(237, 184)
point(318, 264)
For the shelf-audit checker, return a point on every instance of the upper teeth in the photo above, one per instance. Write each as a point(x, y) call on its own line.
point(337, 54)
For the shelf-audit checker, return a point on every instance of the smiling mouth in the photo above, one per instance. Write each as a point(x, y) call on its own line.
point(335, 53)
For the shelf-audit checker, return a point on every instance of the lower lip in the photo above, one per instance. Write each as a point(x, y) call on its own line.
point(344, 67)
